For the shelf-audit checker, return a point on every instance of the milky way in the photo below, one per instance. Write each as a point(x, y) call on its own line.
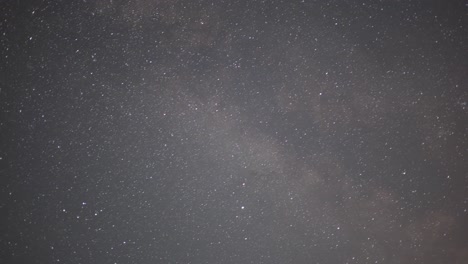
point(234, 131)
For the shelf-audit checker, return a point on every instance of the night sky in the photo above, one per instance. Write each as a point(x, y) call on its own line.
point(234, 131)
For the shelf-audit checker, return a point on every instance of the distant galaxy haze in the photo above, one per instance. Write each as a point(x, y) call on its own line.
point(232, 131)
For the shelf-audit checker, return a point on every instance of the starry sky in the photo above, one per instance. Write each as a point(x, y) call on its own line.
point(182, 131)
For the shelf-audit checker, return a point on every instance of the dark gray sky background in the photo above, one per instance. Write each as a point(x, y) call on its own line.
point(234, 132)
